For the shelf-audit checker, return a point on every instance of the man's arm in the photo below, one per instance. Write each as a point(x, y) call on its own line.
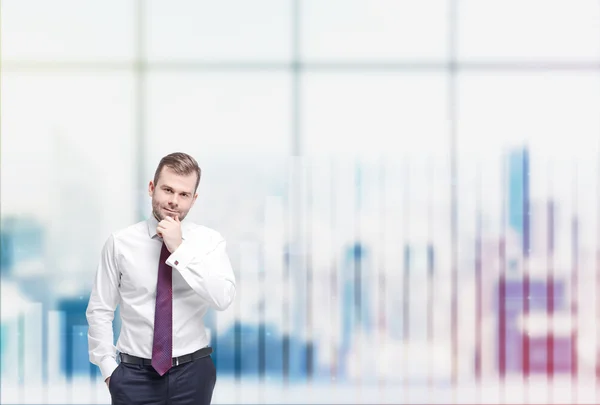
point(101, 311)
point(208, 272)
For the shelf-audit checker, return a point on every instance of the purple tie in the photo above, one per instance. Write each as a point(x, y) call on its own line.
point(162, 347)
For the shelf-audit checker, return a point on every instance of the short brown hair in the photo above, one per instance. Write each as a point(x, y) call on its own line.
point(181, 163)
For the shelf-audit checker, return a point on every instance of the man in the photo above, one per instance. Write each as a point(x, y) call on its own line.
point(165, 273)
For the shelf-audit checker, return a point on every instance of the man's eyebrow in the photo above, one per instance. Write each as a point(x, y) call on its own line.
point(167, 186)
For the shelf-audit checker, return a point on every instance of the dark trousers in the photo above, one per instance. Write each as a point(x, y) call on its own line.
point(187, 384)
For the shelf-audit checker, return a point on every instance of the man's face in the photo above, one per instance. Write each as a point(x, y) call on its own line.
point(173, 194)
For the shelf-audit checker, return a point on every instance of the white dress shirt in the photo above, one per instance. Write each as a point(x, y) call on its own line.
point(127, 276)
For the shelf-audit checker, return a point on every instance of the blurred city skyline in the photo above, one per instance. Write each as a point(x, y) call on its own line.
point(409, 190)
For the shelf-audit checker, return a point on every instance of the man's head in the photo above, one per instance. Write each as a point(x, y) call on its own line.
point(173, 190)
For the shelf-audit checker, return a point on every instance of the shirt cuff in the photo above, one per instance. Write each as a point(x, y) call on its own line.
point(107, 366)
point(181, 257)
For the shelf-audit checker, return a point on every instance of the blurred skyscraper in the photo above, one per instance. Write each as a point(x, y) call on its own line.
point(24, 273)
point(518, 195)
point(511, 304)
point(22, 247)
point(529, 348)
point(75, 347)
point(356, 307)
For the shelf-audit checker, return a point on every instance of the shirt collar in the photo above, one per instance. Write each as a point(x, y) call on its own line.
point(152, 223)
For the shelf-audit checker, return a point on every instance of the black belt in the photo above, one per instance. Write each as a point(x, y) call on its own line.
point(205, 351)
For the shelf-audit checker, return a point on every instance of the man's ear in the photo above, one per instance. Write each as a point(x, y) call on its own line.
point(150, 188)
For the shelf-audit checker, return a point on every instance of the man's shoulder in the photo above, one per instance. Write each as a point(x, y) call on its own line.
point(202, 231)
point(131, 230)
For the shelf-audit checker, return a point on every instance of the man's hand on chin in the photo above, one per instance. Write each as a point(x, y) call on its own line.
point(170, 230)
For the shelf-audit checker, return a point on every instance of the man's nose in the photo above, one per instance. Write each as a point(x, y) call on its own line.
point(173, 200)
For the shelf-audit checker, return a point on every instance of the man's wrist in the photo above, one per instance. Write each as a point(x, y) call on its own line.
point(108, 366)
point(173, 247)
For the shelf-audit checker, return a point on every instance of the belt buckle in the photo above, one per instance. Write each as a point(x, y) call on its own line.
point(176, 361)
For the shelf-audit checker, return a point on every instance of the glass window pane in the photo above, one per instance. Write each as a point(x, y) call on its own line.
point(376, 29)
point(556, 114)
point(63, 30)
point(238, 128)
point(375, 114)
point(68, 162)
point(529, 30)
point(219, 30)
